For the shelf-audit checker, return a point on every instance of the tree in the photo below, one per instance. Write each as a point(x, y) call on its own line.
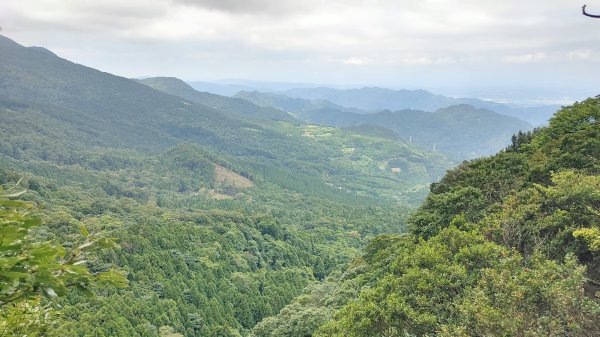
point(459, 283)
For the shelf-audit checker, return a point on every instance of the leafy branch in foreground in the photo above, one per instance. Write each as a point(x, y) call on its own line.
point(31, 270)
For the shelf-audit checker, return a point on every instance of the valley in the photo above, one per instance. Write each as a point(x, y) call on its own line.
point(302, 212)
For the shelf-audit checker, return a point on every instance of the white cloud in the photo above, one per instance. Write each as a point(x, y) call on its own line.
point(275, 7)
point(581, 54)
point(445, 40)
point(526, 58)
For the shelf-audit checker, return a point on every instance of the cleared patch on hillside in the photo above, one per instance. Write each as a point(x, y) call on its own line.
point(227, 177)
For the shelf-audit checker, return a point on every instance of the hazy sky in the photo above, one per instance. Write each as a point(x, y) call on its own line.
point(451, 46)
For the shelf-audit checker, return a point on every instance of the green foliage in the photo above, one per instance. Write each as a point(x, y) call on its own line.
point(551, 170)
point(591, 236)
point(200, 169)
point(548, 219)
point(537, 297)
point(28, 318)
point(30, 269)
point(506, 245)
point(439, 210)
point(495, 249)
point(459, 284)
point(572, 140)
point(167, 331)
point(199, 265)
point(315, 306)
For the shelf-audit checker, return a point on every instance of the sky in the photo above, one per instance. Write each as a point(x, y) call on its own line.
point(537, 49)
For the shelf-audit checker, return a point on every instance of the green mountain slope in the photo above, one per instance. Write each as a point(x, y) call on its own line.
point(145, 117)
point(507, 245)
point(222, 217)
point(179, 88)
point(81, 107)
point(461, 130)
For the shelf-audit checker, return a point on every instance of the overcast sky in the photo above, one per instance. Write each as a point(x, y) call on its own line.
point(453, 47)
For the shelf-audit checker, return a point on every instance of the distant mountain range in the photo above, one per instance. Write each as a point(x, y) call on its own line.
point(101, 109)
point(233, 86)
point(463, 131)
point(377, 99)
point(287, 103)
point(58, 111)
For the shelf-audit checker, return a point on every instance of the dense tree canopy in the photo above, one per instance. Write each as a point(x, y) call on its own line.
point(506, 245)
point(233, 224)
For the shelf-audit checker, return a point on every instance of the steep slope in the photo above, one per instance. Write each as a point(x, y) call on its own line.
point(101, 101)
point(55, 101)
point(109, 102)
point(506, 245)
point(179, 88)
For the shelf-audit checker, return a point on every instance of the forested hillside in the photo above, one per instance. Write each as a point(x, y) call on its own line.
point(460, 130)
point(151, 209)
point(54, 108)
point(223, 211)
point(503, 246)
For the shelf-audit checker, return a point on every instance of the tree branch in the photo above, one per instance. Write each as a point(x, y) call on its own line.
point(587, 14)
